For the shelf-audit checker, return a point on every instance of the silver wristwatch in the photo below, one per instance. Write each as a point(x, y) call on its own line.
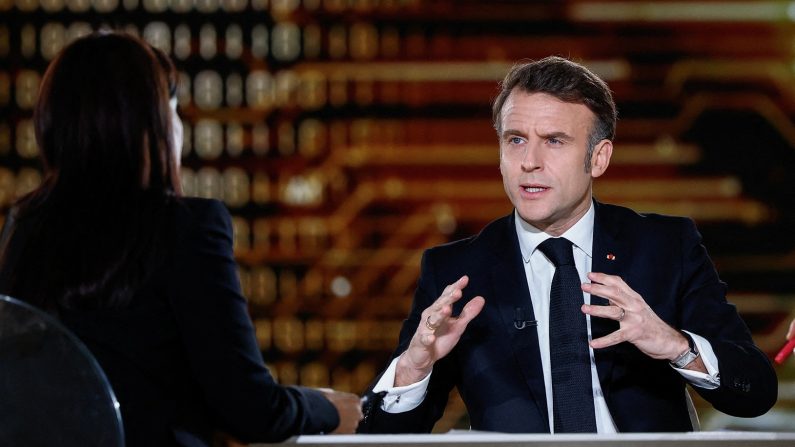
point(688, 356)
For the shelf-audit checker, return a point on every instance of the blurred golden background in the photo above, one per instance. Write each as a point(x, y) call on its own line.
point(346, 136)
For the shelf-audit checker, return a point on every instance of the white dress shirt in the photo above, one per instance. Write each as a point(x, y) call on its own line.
point(539, 271)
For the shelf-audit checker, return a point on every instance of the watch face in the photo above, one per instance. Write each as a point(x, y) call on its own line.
point(688, 357)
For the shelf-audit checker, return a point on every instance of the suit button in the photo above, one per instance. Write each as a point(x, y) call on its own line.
point(742, 385)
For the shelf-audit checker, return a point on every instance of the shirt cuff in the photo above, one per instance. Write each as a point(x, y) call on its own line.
point(400, 399)
point(711, 379)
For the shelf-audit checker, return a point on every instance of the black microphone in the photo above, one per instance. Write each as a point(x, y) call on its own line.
point(522, 318)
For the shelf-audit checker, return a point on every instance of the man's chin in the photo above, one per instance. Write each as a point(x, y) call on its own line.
point(534, 217)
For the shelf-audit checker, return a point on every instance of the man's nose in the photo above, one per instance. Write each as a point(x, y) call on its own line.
point(531, 160)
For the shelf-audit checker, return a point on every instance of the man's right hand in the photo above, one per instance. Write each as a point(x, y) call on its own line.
point(437, 334)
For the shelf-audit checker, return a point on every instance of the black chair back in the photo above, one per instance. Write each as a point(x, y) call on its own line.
point(52, 390)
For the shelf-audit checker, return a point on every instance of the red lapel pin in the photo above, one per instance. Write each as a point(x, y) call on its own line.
point(611, 257)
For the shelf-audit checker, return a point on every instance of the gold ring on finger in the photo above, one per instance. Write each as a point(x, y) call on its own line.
point(430, 326)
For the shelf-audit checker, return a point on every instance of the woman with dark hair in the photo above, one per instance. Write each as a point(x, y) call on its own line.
point(144, 277)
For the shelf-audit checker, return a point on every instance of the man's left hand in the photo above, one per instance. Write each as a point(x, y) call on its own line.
point(638, 324)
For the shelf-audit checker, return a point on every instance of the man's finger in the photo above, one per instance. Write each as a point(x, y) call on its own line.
point(604, 278)
point(435, 317)
point(450, 295)
point(600, 311)
point(453, 292)
point(472, 309)
point(611, 293)
point(610, 339)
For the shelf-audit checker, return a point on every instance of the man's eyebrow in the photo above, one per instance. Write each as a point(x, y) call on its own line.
point(557, 134)
point(517, 132)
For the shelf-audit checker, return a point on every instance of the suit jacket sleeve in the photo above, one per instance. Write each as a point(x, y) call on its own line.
point(443, 377)
point(748, 384)
point(219, 338)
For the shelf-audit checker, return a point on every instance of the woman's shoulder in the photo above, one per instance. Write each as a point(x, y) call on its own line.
point(200, 206)
point(200, 210)
point(194, 218)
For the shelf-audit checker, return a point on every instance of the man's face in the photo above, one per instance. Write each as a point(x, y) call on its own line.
point(543, 146)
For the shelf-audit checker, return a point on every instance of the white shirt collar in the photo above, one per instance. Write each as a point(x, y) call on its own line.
point(580, 234)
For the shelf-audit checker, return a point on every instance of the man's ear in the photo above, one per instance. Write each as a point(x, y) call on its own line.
point(600, 159)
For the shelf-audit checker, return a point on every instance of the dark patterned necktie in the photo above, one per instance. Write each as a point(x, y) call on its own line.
point(572, 394)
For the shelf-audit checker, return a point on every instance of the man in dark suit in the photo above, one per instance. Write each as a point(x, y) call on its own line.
point(649, 311)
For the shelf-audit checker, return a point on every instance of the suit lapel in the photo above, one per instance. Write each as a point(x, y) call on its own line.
point(610, 256)
point(511, 291)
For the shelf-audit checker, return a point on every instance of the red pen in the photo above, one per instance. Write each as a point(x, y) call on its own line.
point(785, 352)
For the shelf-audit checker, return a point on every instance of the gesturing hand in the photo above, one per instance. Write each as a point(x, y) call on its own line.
point(437, 334)
point(639, 324)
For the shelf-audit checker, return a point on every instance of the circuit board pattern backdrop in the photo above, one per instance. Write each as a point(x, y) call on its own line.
point(346, 136)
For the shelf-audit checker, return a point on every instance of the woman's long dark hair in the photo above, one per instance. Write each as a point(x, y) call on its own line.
point(94, 230)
